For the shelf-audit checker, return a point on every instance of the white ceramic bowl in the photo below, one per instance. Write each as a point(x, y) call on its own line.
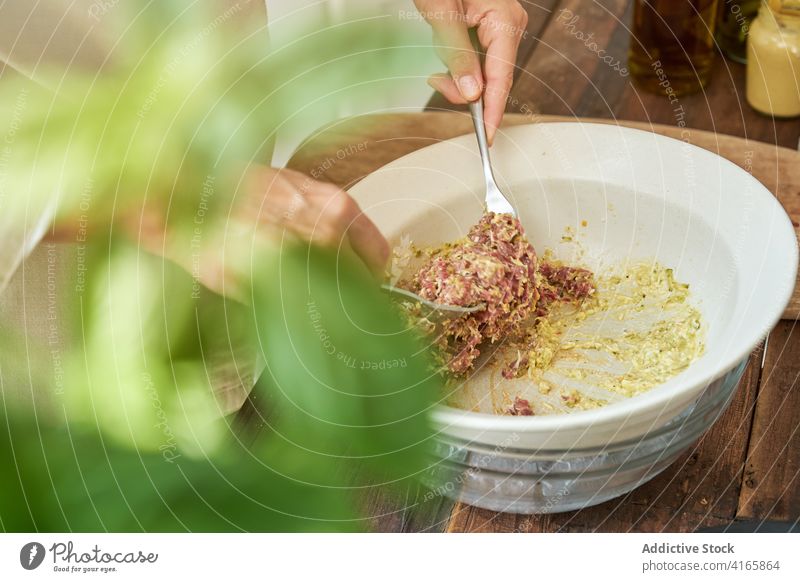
point(643, 196)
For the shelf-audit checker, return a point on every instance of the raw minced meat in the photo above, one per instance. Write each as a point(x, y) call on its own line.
point(494, 265)
point(521, 407)
point(497, 266)
point(515, 367)
point(563, 283)
point(566, 308)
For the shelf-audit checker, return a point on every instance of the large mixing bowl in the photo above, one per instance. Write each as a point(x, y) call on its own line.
point(519, 480)
point(627, 195)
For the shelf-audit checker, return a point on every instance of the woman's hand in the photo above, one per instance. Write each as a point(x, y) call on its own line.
point(270, 204)
point(319, 212)
point(500, 26)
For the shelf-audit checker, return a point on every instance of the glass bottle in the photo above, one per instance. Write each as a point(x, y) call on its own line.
point(733, 23)
point(672, 45)
point(773, 59)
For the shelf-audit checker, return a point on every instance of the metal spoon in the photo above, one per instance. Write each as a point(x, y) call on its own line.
point(438, 311)
point(496, 201)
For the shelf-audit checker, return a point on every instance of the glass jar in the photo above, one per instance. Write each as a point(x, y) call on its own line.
point(733, 24)
point(773, 59)
point(672, 45)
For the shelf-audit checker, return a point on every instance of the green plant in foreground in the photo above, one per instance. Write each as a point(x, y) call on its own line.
point(136, 441)
point(329, 414)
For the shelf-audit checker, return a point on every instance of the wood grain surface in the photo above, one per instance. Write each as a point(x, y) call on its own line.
point(771, 489)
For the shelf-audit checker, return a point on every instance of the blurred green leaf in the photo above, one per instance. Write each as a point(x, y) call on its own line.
point(142, 445)
point(140, 373)
point(68, 479)
point(347, 374)
point(198, 101)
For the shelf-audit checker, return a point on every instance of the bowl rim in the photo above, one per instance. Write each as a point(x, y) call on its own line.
point(447, 416)
point(686, 419)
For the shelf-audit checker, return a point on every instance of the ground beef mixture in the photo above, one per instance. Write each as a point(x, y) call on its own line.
point(495, 265)
point(521, 407)
point(514, 368)
point(562, 283)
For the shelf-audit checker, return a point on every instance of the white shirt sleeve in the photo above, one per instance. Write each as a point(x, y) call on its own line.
point(62, 34)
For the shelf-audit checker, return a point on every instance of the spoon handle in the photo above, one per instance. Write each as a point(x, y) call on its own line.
point(476, 109)
point(496, 201)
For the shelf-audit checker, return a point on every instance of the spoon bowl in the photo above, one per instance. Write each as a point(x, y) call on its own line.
point(438, 311)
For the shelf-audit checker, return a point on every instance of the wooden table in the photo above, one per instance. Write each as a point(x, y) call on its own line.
point(747, 465)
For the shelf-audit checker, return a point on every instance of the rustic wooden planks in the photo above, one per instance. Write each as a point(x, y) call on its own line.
point(771, 487)
point(409, 508)
point(565, 75)
point(558, 77)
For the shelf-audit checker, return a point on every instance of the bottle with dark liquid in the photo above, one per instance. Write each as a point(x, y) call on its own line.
point(733, 24)
point(672, 45)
